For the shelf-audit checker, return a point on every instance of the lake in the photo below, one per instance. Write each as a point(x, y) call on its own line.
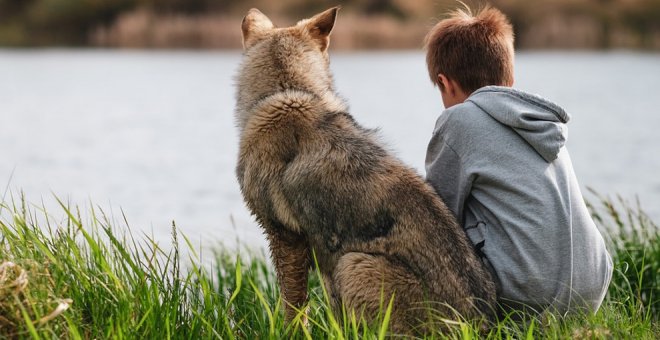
point(151, 133)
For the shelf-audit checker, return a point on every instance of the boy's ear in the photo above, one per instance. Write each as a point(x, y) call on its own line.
point(254, 26)
point(451, 91)
point(320, 26)
point(444, 84)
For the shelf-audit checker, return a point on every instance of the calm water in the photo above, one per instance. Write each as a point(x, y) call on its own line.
point(152, 134)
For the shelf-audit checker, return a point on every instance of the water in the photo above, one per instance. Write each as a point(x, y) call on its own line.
point(151, 134)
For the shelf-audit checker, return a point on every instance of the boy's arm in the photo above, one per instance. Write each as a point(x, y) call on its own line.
point(446, 173)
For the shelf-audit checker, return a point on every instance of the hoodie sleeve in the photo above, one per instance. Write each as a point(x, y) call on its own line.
point(446, 173)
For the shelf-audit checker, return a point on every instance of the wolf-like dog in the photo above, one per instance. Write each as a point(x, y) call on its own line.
point(318, 182)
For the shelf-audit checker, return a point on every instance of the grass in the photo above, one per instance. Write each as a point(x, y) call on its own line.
point(80, 278)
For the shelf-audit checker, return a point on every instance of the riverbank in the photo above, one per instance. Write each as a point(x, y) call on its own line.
point(84, 277)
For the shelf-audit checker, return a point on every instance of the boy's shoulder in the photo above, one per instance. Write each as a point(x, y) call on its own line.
point(461, 118)
point(504, 105)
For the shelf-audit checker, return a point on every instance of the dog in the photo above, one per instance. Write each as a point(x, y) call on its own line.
point(319, 183)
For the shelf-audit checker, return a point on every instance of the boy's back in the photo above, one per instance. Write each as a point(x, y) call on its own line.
point(499, 162)
point(497, 157)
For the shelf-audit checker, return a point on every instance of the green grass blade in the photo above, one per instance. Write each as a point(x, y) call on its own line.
point(28, 321)
point(386, 320)
point(269, 313)
point(239, 279)
point(530, 331)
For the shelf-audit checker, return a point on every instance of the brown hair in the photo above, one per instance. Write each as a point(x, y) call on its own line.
point(473, 50)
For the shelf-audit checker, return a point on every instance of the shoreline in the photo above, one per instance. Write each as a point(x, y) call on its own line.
point(148, 29)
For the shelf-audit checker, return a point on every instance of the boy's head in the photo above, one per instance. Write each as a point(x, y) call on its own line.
point(465, 52)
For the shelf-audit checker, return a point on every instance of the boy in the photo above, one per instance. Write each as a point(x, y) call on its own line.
point(497, 158)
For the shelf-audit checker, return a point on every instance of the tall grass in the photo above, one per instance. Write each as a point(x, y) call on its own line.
point(634, 242)
point(81, 278)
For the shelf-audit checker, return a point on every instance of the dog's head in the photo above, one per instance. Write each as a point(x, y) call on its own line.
point(257, 27)
point(279, 59)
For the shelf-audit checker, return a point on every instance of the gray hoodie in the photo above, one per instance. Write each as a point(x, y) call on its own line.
point(499, 162)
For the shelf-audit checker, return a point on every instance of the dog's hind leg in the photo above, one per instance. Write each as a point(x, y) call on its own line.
point(291, 256)
point(365, 283)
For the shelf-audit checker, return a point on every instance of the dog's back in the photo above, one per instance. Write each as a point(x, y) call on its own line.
point(317, 181)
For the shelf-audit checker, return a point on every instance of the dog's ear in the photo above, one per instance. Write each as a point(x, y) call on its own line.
point(254, 26)
point(320, 26)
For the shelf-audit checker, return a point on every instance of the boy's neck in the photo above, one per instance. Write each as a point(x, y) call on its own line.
point(451, 91)
point(455, 99)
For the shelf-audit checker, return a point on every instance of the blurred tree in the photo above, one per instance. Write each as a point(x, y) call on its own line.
point(178, 6)
point(305, 8)
point(69, 21)
point(643, 16)
point(13, 8)
point(376, 7)
point(633, 23)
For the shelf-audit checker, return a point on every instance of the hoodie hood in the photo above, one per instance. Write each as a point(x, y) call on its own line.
point(538, 121)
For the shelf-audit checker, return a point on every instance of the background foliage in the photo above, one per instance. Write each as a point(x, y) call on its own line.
point(537, 24)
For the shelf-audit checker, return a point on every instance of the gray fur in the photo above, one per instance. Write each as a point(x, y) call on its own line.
point(318, 182)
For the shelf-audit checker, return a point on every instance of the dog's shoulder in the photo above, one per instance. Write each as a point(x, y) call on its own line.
point(280, 110)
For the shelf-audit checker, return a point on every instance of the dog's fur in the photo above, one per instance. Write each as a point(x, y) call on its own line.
point(319, 182)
